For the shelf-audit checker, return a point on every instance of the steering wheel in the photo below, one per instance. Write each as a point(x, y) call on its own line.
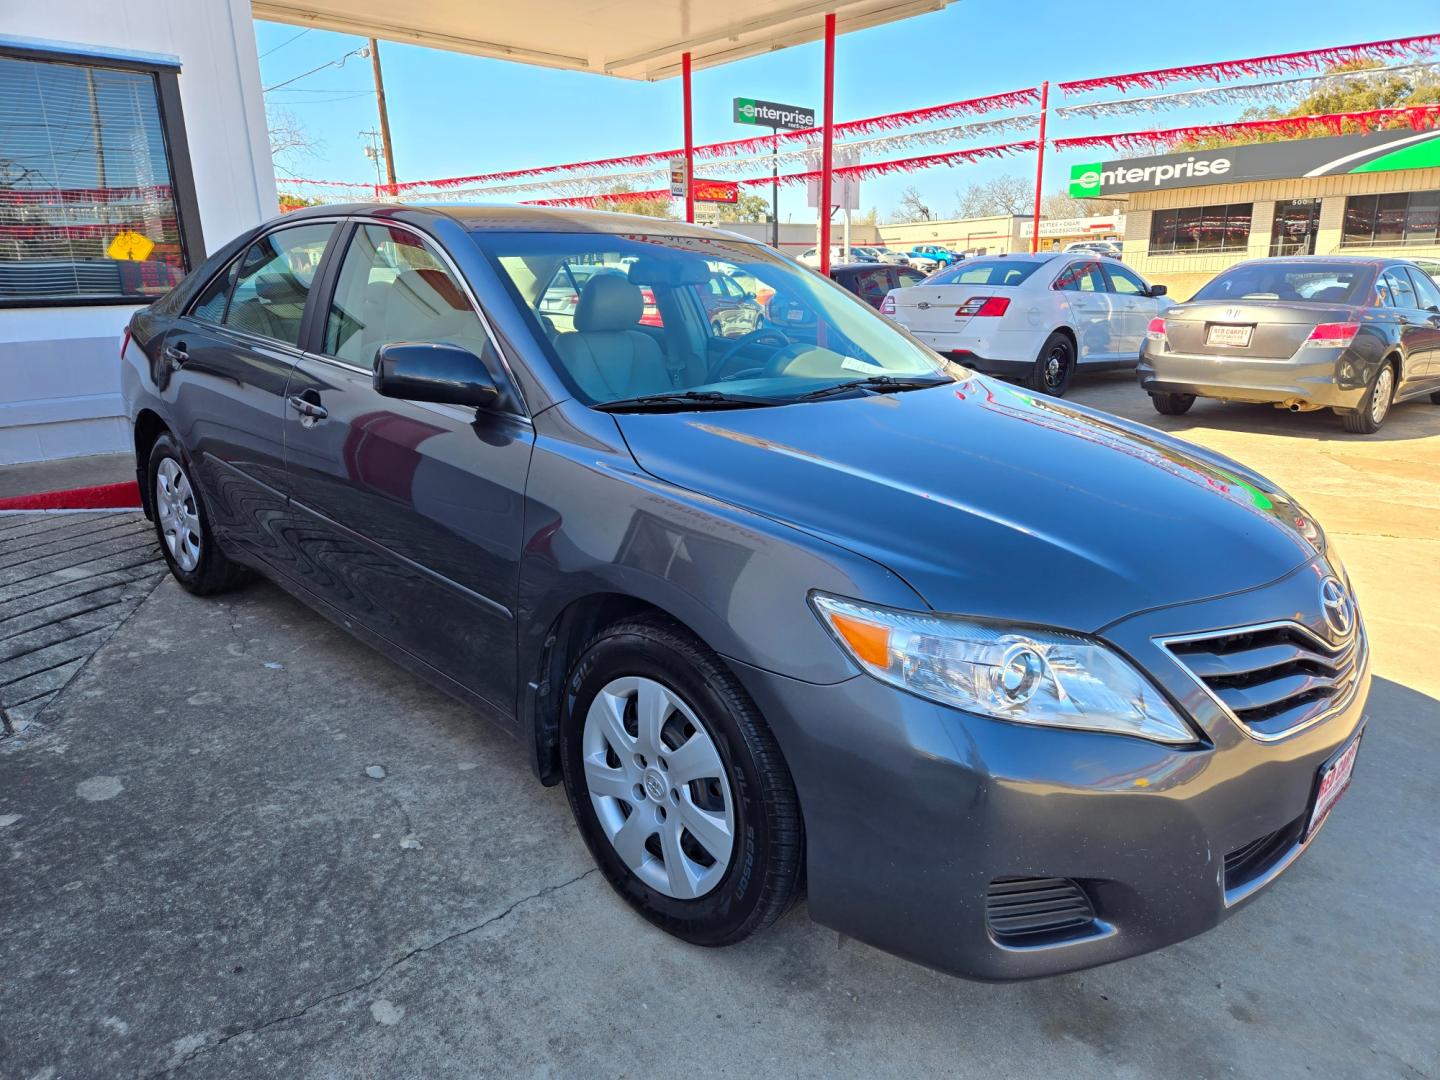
point(745, 341)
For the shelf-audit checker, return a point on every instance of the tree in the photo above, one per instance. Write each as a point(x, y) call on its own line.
point(1388, 91)
point(912, 207)
point(749, 208)
point(1003, 195)
point(290, 201)
point(291, 143)
point(1061, 204)
point(656, 206)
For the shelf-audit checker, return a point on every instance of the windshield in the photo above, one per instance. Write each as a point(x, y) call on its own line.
point(1306, 282)
point(639, 315)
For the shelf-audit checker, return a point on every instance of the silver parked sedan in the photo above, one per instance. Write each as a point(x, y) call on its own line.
point(1355, 335)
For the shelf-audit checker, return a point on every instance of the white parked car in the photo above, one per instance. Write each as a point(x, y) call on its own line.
point(811, 257)
point(1034, 317)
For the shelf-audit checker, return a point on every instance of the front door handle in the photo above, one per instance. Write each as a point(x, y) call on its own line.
point(307, 408)
point(177, 355)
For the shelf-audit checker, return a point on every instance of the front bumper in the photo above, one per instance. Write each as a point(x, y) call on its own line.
point(1326, 378)
point(912, 809)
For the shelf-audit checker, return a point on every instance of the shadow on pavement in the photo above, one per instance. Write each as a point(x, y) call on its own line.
point(199, 874)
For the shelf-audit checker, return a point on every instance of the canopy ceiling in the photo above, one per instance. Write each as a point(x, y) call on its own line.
point(630, 39)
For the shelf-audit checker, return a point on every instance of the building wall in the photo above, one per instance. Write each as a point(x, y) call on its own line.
point(799, 237)
point(1184, 274)
point(992, 235)
point(59, 368)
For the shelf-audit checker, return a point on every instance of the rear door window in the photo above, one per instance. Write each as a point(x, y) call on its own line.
point(1081, 277)
point(273, 282)
point(1426, 291)
point(1395, 288)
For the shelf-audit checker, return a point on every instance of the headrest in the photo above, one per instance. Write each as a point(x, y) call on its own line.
point(279, 289)
point(608, 302)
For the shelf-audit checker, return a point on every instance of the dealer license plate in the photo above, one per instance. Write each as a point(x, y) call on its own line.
point(1333, 780)
point(1237, 336)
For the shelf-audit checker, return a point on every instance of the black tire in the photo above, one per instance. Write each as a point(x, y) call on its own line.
point(764, 874)
point(1375, 405)
point(1054, 367)
point(213, 572)
point(1172, 404)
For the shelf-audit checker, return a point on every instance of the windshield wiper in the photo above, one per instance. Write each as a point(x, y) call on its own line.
point(684, 399)
point(880, 384)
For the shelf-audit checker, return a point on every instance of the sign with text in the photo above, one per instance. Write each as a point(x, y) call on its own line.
point(1379, 151)
point(716, 191)
point(772, 114)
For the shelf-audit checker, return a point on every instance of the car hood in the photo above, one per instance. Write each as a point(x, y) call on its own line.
point(991, 501)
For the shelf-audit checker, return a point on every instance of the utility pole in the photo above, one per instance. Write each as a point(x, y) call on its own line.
point(373, 152)
point(384, 114)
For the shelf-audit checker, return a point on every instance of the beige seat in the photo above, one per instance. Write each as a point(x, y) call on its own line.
point(608, 356)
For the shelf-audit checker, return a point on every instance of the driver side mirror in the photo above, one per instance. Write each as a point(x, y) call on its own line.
point(1158, 290)
point(433, 371)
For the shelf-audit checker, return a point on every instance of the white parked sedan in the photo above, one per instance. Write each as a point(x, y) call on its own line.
point(1035, 317)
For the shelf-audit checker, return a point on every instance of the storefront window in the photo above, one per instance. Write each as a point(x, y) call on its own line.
point(88, 204)
point(1394, 220)
point(1297, 221)
point(1197, 229)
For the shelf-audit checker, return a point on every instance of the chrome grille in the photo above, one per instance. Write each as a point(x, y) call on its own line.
point(1275, 678)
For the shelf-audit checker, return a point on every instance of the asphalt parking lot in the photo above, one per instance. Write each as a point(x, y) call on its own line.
point(239, 843)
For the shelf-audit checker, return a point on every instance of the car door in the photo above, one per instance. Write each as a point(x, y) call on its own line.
point(1417, 332)
point(407, 515)
point(1427, 297)
point(227, 361)
point(1087, 295)
point(1132, 308)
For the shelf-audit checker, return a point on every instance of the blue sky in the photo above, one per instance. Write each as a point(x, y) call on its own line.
point(453, 114)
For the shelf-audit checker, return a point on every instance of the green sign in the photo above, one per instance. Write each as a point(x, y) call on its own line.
point(1378, 151)
point(772, 114)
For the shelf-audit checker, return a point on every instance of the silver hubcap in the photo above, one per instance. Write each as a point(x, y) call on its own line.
point(179, 519)
point(1380, 400)
point(658, 787)
point(1055, 367)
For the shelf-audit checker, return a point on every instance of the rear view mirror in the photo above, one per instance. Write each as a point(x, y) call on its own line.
point(433, 371)
point(1158, 290)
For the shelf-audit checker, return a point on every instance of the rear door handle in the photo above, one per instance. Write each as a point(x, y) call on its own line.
point(177, 355)
point(305, 407)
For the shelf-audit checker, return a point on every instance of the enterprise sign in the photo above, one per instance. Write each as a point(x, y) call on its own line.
point(1381, 151)
point(772, 114)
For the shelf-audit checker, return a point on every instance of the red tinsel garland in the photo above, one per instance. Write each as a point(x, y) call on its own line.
point(733, 147)
point(1274, 64)
point(1417, 116)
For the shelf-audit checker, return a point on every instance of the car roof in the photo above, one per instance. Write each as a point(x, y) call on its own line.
point(1353, 260)
point(481, 217)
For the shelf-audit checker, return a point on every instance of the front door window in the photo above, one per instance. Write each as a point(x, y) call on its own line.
point(1297, 221)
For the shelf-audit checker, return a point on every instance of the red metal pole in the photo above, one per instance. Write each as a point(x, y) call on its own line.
point(827, 153)
point(1040, 167)
point(689, 144)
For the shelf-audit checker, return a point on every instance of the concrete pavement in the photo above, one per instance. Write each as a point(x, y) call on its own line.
point(241, 844)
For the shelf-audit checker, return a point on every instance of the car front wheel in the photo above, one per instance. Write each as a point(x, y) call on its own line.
point(678, 786)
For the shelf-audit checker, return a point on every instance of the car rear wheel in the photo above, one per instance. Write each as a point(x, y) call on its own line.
point(678, 786)
point(1054, 367)
point(1375, 405)
point(183, 527)
point(1172, 404)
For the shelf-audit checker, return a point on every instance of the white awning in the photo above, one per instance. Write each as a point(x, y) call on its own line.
point(624, 38)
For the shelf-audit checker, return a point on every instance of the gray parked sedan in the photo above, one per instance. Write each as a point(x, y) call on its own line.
point(1352, 334)
point(1011, 687)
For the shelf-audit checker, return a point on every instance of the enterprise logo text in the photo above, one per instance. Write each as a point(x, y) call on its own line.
point(1092, 179)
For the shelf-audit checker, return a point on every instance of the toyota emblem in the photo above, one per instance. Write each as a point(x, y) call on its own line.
point(1339, 609)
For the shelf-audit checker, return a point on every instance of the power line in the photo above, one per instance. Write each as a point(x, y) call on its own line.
point(287, 41)
point(364, 50)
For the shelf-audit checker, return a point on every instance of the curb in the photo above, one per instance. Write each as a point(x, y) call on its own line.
point(123, 496)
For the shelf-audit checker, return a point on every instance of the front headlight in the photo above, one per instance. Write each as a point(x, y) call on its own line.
point(1030, 676)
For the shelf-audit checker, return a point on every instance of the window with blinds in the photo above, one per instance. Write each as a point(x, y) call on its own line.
point(87, 203)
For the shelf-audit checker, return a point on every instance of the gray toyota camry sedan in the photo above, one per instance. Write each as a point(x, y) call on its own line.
point(1007, 686)
point(1354, 334)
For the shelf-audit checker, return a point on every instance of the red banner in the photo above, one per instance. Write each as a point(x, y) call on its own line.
point(1274, 64)
point(1417, 117)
